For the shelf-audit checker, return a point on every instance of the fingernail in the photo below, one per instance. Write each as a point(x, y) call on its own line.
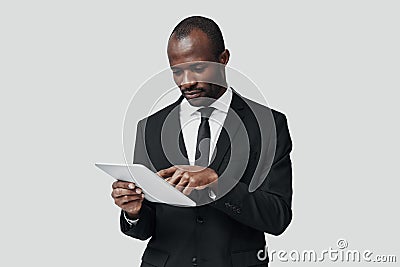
point(138, 190)
point(131, 186)
point(142, 195)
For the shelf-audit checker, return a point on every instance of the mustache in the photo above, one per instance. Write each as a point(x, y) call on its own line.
point(188, 90)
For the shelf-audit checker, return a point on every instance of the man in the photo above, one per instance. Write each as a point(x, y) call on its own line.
point(215, 160)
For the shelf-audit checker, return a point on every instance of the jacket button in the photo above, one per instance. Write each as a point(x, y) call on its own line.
point(200, 220)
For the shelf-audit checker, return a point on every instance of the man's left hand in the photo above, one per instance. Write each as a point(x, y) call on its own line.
point(186, 178)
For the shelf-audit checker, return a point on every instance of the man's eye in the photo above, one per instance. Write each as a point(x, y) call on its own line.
point(199, 69)
point(176, 72)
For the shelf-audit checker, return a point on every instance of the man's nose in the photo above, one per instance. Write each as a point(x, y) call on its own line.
point(187, 80)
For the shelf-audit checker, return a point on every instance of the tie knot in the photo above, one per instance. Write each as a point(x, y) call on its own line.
point(206, 112)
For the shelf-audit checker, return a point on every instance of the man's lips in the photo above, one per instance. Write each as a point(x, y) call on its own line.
point(189, 94)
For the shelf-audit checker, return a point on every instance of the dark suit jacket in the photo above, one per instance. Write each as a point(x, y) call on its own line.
point(230, 230)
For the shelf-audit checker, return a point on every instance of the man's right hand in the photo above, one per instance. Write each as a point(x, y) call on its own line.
point(128, 197)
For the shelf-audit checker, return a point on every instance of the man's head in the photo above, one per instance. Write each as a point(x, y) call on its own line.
point(197, 56)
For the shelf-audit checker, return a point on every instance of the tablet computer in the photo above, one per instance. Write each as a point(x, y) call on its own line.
point(155, 188)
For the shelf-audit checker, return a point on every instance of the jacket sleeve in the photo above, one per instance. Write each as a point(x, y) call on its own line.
point(268, 208)
point(144, 228)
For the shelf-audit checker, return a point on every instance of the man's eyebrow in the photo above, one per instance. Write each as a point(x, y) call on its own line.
point(198, 64)
point(195, 64)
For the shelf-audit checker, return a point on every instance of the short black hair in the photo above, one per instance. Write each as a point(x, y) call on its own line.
point(206, 25)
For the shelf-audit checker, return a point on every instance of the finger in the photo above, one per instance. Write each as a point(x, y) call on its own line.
point(187, 190)
point(182, 185)
point(138, 190)
point(176, 177)
point(185, 179)
point(123, 184)
point(119, 192)
point(126, 199)
point(172, 182)
point(167, 172)
point(191, 185)
point(168, 180)
point(180, 188)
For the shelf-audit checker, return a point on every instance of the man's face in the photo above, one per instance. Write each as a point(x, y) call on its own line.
point(196, 70)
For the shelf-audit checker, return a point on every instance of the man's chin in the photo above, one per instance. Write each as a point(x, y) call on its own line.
point(195, 101)
point(200, 101)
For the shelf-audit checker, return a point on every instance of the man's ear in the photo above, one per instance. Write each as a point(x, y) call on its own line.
point(224, 57)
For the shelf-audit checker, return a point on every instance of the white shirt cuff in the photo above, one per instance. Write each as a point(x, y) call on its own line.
point(129, 221)
point(212, 195)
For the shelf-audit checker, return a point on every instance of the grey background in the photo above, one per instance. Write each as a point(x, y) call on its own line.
point(69, 69)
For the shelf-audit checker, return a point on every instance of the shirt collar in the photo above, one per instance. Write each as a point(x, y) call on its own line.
point(222, 103)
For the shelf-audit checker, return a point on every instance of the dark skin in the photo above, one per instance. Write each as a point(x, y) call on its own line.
point(187, 178)
point(128, 197)
point(196, 68)
point(200, 83)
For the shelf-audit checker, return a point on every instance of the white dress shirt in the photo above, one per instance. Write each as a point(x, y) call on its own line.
point(190, 119)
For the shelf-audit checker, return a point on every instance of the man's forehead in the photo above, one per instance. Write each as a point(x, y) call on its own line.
point(186, 47)
point(196, 46)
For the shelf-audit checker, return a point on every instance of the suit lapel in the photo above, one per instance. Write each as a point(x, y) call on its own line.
point(173, 144)
point(231, 125)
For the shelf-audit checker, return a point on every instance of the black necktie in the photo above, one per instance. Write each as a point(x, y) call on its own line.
point(203, 138)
